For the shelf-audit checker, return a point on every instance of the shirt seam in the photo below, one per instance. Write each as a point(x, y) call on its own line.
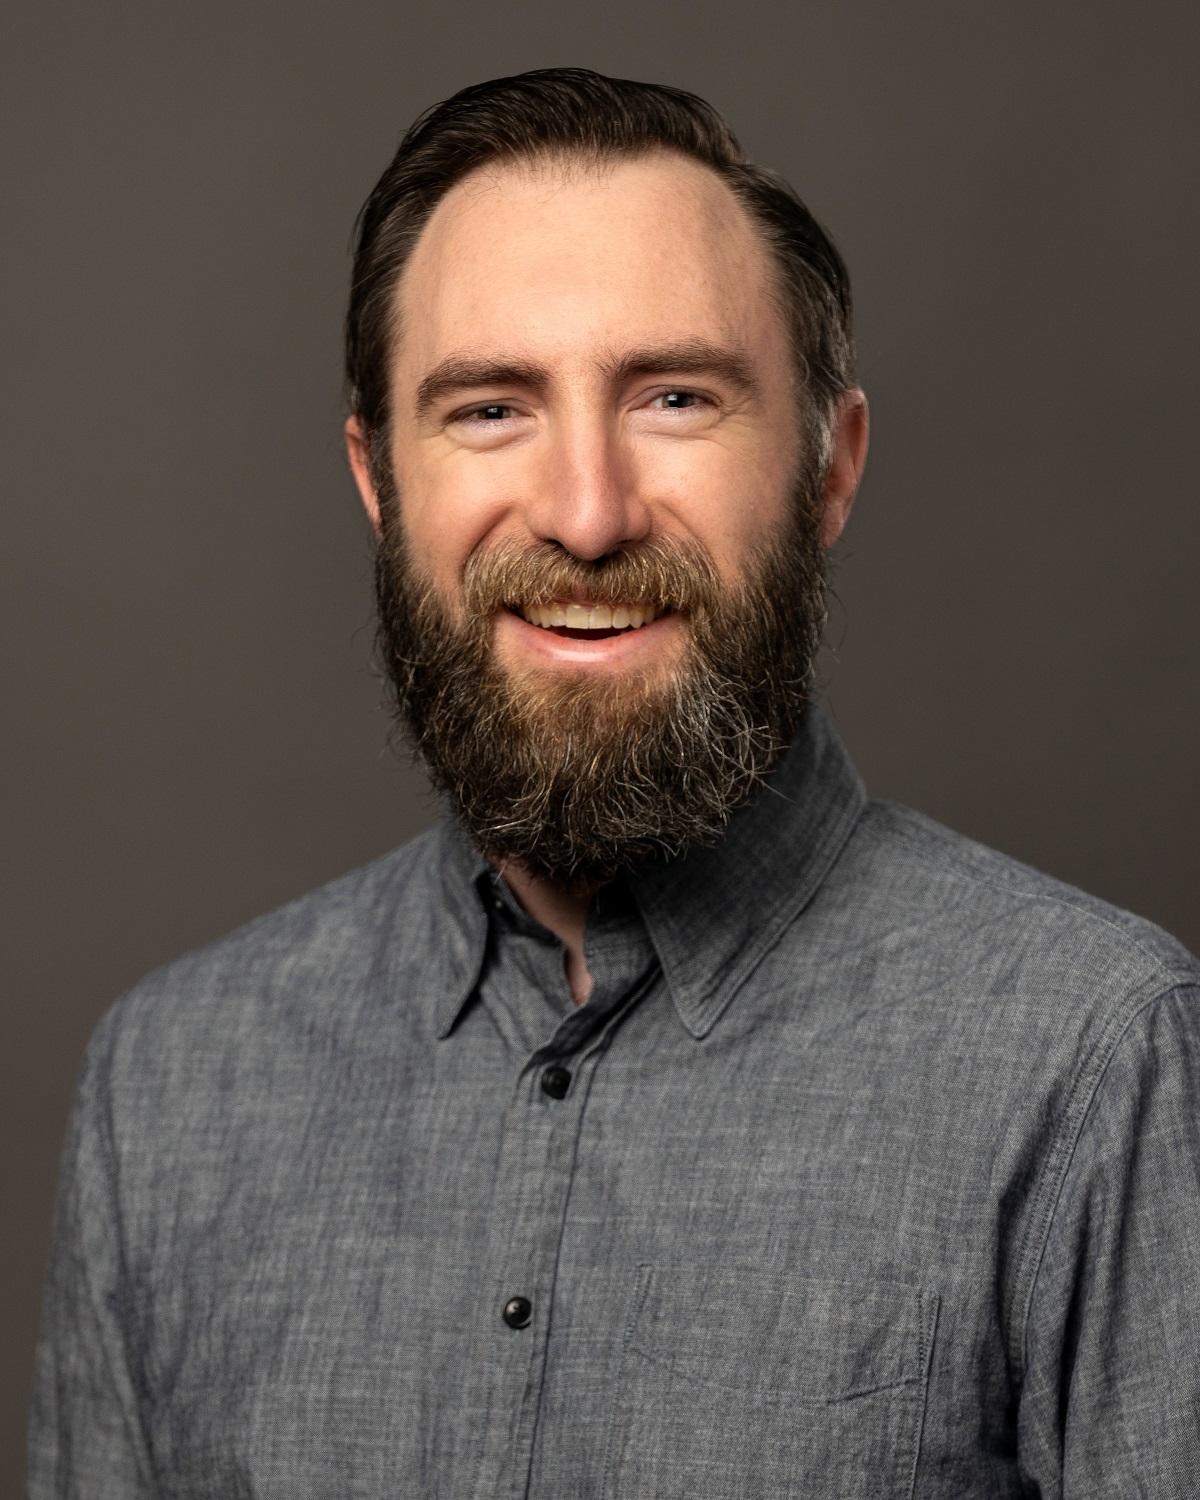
point(1050, 1190)
point(106, 1150)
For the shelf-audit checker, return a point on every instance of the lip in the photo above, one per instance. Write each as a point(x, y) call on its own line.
point(518, 640)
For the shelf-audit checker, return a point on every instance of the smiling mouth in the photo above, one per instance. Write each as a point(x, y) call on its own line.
point(589, 622)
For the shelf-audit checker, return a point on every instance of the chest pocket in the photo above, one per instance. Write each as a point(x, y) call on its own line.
point(738, 1385)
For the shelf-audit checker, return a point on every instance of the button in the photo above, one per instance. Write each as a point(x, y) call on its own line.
point(518, 1311)
point(556, 1082)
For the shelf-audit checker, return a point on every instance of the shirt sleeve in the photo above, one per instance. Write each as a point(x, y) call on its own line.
point(85, 1436)
point(1110, 1404)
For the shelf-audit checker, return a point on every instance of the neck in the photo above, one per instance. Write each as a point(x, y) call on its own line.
point(561, 912)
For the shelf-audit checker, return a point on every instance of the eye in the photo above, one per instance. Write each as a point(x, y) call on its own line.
point(485, 416)
point(680, 400)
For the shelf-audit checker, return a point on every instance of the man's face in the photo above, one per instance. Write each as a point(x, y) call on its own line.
point(593, 408)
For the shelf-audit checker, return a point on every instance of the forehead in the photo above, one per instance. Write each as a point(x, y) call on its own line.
point(553, 254)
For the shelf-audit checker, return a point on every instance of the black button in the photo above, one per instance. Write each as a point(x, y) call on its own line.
point(556, 1082)
point(518, 1311)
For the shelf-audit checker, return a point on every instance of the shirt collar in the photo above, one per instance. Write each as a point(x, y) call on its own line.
point(714, 912)
point(459, 893)
point(717, 911)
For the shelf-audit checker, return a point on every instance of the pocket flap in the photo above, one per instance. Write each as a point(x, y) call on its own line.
point(812, 1338)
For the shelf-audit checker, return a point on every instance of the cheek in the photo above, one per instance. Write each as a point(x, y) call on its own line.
point(726, 501)
point(447, 512)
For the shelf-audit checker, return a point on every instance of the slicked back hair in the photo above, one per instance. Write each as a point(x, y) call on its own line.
point(573, 112)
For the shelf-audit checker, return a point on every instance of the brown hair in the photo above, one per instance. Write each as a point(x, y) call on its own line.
point(575, 112)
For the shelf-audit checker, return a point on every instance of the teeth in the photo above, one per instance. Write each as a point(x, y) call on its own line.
point(591, 616)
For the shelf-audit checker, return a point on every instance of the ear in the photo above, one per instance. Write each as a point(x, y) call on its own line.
point(849, 438)
point(358, 452)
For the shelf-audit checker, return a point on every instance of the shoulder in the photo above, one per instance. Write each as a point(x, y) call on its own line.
point(1005, 998)
point(954, 923)
point(921, 863)
point(308, 967)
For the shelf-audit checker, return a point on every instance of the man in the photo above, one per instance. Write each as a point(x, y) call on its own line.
point(670, 1120)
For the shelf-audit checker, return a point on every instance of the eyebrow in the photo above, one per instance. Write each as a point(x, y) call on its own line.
point(458, 372)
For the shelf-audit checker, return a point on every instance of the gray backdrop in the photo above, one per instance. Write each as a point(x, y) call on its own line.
point(194, 732)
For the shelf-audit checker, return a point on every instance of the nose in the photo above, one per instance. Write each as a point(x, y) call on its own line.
point(586, 496)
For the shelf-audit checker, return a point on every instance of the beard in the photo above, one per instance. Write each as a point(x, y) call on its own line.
point(576, 775)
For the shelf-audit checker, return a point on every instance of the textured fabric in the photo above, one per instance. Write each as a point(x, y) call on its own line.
point(874, 1173)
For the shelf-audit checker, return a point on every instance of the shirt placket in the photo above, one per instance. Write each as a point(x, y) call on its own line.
point(541, 1129)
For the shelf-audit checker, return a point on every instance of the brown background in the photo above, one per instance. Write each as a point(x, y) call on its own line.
point(193, 728)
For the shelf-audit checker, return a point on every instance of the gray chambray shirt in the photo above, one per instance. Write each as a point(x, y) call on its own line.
point(869, 1169)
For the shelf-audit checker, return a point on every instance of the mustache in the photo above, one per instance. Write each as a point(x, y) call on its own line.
point(662, 571)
